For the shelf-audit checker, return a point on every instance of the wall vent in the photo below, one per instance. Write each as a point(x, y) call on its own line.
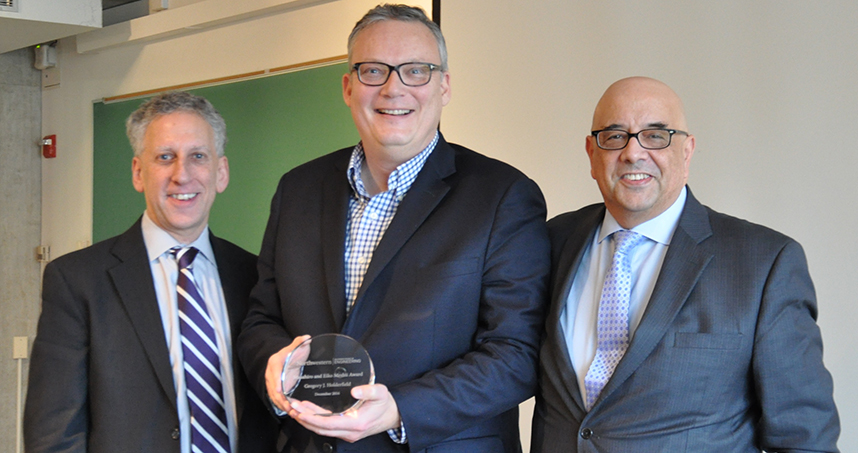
point(9, 5)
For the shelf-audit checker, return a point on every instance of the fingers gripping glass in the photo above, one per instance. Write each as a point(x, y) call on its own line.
point(613, 139)
point(411, 74)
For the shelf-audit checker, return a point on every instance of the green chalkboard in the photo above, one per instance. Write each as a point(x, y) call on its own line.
point(273, 125)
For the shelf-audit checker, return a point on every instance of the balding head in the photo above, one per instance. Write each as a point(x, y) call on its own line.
point(638, 184)
point(640, 97)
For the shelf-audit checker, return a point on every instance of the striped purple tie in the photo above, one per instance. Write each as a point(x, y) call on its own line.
point(209, 432)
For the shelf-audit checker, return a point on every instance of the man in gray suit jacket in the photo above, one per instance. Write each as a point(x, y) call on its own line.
point(704, 339)
point(108, 369)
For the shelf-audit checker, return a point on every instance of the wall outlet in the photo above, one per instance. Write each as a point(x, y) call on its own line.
point(19, 348)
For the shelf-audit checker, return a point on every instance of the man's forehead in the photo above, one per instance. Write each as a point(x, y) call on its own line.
point(639, 109)
point(396, 36)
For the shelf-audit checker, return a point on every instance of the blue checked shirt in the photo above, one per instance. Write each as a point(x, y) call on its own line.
point(369, 218)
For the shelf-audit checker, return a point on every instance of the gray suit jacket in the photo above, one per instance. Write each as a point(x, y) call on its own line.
point(100, 377)
point(727, 357)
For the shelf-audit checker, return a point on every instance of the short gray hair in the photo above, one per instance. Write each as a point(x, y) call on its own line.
point(166, 103)
point(403, 13)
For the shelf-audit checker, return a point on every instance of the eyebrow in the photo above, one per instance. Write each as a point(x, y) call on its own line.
point(656, 125)
point(173, 149)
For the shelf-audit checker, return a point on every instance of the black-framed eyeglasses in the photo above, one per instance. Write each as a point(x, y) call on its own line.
point(412, 74)
point(614, 139)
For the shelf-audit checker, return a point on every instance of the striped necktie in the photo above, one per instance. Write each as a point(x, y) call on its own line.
point(209, 431)
point(613, 323)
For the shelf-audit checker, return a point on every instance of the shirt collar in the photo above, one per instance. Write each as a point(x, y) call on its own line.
point(659, 229)
point(158, 241)
point(400, 180)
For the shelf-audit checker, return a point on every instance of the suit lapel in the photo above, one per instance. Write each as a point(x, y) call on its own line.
point(236, 309)
point(335, 209)
point(683, 265)
point(424, 195)
point(132, 278)
point(229, 285)
point(568, 262)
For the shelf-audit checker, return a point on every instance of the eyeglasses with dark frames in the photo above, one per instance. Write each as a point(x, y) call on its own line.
point(614, 139)
point(412, 74)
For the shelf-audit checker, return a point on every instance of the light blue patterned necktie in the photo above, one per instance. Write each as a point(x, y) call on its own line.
point(209, 431)
point(613, 323)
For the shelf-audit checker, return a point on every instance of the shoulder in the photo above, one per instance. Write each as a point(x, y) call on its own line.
point(745, 247)
point(102, 254)
point(480, 179)
point(475, 164)
point(230, 254)
point(745, 235)
point(337, 161)
point(585, 218)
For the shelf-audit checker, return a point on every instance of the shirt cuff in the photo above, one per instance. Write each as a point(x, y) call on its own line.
point(397, 435)
point(277, 411)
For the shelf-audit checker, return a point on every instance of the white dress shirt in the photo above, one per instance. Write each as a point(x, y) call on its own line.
point(164, 273)
point(580, 315)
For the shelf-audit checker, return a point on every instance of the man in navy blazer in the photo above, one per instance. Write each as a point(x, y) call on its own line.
point(723, 353)
point(106, 372)
point(432, 256)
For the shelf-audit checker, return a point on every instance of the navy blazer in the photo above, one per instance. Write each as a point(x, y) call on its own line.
point(450, 308)
point(100, 378)
point(727, 357)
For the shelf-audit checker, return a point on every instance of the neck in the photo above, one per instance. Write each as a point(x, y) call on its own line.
point(379, 164)
point(374, 179)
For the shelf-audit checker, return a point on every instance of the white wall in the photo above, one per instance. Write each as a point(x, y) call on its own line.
point(770, 90)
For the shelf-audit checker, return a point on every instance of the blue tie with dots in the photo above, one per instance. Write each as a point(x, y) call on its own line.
point(613, 323)
point(209, 432)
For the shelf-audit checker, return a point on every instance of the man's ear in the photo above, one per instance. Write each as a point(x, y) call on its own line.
point(446, 90)
point(347, 89)
point(136, 174)
point(589, 146)
point(222, 174)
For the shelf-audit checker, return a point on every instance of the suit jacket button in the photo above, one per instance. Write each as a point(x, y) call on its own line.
point(175, 434)
point(327, 448)
point(586, 433)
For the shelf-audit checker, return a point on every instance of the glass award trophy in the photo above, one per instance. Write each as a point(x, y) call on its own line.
point(323, 370)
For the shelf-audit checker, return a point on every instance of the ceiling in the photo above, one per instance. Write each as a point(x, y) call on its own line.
point(26, 31)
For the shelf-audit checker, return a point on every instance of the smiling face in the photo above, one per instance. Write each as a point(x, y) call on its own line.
point(394, 121)
point(179, 173)
point(638, 184)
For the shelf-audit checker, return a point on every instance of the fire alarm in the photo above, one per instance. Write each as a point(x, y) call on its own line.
point(49, 146)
